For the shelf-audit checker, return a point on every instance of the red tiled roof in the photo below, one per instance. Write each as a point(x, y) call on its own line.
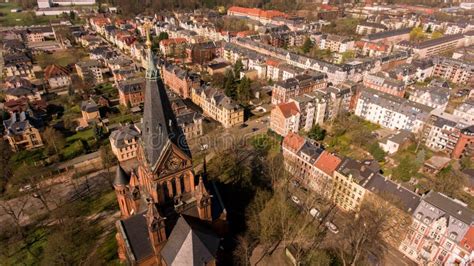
point(173, 41)
point(246, 33)
point(272, 62)
point(293, 141)
point(288, 109)
point(257, 12)
point(468, 241)
point(54, 71)
point(327, 162)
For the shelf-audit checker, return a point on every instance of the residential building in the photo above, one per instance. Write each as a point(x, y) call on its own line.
point(454, 70)
point(434, 97)
point(389, 37)
point(173, 47)
point(188, 120)
point(336, 43)
point(384, 83)
point(263, 16)
point(392, 143)
point(124, 142)
point(200, 53)
point(131, 92)
point(18, 64)
point(365, 28)
point(465, 110)
point(339, 100)
point(443, 131)
point(15, 93)
point(57, 76)
point(284, 90)
point(285, 118)
point(180, 80)
point(465, 145)
point(90, 113)
point(217, 106)
point(434, 46)
point(312, 107)
point(90, 70)
point(309, 163)
point(22, 131)
point(391, 111)
point(436, 235)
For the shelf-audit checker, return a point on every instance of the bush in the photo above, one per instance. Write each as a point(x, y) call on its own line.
point(377, 152)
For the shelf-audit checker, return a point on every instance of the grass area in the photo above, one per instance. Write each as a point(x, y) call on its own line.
point(24, 18)
point(124, 118)
point(62, 58)
point(81, 135)
point(26, 156)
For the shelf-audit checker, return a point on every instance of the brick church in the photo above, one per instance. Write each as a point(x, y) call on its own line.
point(169, 216)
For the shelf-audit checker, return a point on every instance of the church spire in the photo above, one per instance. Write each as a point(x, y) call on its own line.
point(159, 123)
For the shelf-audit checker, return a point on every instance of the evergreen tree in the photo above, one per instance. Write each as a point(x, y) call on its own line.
point(307, 45)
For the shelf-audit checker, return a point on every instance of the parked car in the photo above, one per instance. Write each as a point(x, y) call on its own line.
point(314, 212)
point(254, 129)
point(296, 200)
point(332, 227)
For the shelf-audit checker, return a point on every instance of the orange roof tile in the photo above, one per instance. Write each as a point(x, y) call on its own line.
point(327, 162)
point(288, 109)
point(54, 70)
point(173, 41)
point(293, 141)
point(273, 62)
point(257, 12)
point(468, 241)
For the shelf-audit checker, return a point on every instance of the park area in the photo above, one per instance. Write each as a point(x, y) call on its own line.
point(22, 18)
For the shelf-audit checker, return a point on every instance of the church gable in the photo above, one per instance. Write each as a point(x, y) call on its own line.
point(173, 160)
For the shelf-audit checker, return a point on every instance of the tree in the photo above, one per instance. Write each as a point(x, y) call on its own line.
point(347, 55)
point(377, 152)
point(238, 67)
point(307, 45)
point(317, 133)
point(108, 160)
point(163, 36)
point(406, 169)
point(436, 35)
point(449, 182)
point(377, 221)
point(54, 140)
point(417, 34)
point(5, 167)
point(244, 93)
point(229, 84)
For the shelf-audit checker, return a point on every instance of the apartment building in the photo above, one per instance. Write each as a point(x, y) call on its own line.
point(18, 64)
point(131, 92)
point(389, 37)
point(188, 120)
point(356, 181)
point(383, 82)
point(90, 70)
point(22, 131)
point(124, 142)
point(339, 100)
point(391, 111)
point(263, 16)
point(57, 76)
point(309, 163)
point(285, 118)
point(179, 80)
point(365, 28)
point(282, 91)
point(466, 110)
point(173, 47)
point(439, 232)
point(336, 43)
point(454, 70)
point(465, 145)
point(218, 106)
point(443, 131)
point(432, 96)
point(312, 107)
point(434, 46)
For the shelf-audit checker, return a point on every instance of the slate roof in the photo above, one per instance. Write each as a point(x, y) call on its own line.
point(159, 123)
point(54, 70)
point(192, 242)
point(407, 200)
point(19, 122)
point(122, 134)
point(121, 177)
point(389, 33)
point(89, 106)
point(131, 85)
point(135, 229)
point(20, 91)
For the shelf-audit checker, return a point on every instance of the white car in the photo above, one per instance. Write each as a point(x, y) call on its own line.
point(296, 200)
point(314, 212)
point(332, 227)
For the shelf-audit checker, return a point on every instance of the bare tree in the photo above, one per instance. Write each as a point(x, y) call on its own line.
point(15, 211)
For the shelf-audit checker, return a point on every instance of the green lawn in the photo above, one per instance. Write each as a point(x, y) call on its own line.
point(125, 118)
point(20, 19)
point(63, 58)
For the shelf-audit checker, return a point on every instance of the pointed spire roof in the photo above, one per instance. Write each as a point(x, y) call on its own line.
point(201, 190)
point(121, 177)
point(152, 213)
point(159, 127)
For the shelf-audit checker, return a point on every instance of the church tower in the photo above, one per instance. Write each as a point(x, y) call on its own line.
point(121, 182)
point(203, 199)
point(165, 166)
point(156, 227)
